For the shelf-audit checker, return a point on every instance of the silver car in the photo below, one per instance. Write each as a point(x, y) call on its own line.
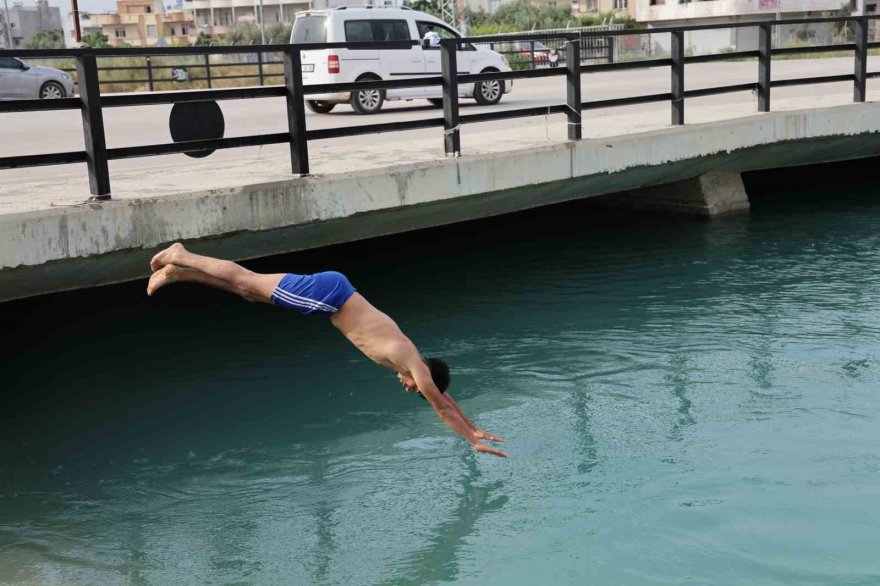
point(20, 81)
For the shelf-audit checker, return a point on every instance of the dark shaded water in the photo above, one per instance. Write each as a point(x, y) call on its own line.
point(684, 402)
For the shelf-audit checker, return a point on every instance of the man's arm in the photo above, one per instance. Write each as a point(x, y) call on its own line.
point(447, 413)
point(477, 431)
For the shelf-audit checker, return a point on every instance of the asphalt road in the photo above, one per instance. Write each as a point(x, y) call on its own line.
point(43, 132)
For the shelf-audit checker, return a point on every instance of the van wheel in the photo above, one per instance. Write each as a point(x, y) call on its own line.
point(367, 101)
point(438, 102)
point(320, 107)
point(488, 93)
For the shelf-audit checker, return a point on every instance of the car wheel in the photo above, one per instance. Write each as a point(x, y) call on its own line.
point(488, 93)
point(367, 101)
point(320, 107)
point(51, 91)
point(438, 102)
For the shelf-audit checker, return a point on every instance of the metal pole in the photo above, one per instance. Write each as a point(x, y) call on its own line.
point(296, 112)
point(262, 25)
point(573, 79)
point(765, 40)
point(208, 69)
point(677, 77)
point(150, 72)
point(449, 71)
point(6, 22)
point(861, 65)
point(93, 126)
point(77, 34)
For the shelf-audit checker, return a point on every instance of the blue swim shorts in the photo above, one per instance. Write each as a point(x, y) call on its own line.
point(319, 293)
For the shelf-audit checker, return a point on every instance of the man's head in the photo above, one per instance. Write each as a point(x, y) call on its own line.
point(439, 374)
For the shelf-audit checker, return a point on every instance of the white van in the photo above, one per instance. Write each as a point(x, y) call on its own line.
point(386, 24)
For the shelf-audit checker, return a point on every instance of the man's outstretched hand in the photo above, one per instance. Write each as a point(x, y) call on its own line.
point(485, 435)
point(488, 450)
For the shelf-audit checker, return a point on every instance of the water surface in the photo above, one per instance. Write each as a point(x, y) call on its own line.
point(685, 402)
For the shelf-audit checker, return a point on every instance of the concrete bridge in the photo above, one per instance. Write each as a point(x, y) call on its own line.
point(52, 243)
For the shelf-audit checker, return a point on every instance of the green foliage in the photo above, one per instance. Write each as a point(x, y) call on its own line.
point(45, 39)
point(432, 7)
point(278, 33)
point(96, 40)
point(203, 40)
point(523, 16)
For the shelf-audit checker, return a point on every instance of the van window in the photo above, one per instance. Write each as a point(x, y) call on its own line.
point(377, 30)
point(309, 29)
point(441, 30)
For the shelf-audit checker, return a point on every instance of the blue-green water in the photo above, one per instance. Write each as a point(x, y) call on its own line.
point(685, 402)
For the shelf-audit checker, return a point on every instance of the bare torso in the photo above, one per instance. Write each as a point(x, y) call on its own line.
point(375, 334)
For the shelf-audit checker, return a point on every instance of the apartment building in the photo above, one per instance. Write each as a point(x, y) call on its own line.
point(217, 17)
point(139, 23)
point(26, 21)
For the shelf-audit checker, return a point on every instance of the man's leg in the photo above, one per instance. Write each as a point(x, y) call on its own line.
point(214, 272)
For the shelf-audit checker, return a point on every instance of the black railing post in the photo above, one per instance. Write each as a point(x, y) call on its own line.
point(765, 53)
point(260, 65)
point(150, 73)
point(449, 71)
point(609, 48)
point(93, 126)
point(532, 53)
point(208, 69)
point(296, 112)
point(677, 77)
point(573, 94)
point(861, 66)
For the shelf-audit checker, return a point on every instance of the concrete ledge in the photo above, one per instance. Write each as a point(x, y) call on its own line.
point(86, 245)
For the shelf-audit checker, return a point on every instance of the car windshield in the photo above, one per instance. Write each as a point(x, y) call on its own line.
point(309, 29)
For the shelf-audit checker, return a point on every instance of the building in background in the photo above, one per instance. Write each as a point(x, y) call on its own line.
point(666, 13)
point(217, 17)
point(622, 7)
point(139, 23)
point(26, 21)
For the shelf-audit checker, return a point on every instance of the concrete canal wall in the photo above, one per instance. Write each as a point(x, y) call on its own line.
point(697, 167)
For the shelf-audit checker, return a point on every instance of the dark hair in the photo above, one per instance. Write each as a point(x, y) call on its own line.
point(439, 373)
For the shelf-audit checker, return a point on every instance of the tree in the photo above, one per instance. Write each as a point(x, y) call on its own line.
point(96, 40)
point(432, 7)
point(45, 39)
point(203, 40)
point(278, 33)
point(243, 33)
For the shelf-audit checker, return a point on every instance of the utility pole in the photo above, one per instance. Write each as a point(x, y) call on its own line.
point(263, 25)
point(77, 34)
point(8, 43)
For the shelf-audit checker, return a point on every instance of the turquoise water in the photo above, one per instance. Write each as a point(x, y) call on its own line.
point(685, 402)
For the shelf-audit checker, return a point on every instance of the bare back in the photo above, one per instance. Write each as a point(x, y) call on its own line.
point(375, 334)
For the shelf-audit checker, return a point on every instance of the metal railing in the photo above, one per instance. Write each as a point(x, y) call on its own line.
point(91, 103)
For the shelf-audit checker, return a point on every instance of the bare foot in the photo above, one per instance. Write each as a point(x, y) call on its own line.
point(166, 257)
point(164, 276)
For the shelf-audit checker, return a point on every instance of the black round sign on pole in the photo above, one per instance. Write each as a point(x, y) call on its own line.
point(196, 121)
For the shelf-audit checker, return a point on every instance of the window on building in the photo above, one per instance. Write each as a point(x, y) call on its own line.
point(120, 33)
point(173, 32)
point(592, 5)
point(149, 9)
point(151, 30)
point(183, 30)
point(620, 4)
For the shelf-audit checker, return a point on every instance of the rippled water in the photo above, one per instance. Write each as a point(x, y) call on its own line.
point(684, 402)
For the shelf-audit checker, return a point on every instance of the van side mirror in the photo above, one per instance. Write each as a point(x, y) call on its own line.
point(425, 43)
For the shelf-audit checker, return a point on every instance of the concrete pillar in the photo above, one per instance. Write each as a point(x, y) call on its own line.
point(712, 195)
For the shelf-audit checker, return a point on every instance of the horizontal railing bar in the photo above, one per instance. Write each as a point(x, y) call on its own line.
point(814, 49)
point(502, 75)
point(505, 114)
point(721, 56)
point(724, 89)
point(37, 105)
point(809, 80)
point(640, 64)
point(40, 160)
point(217, 50)
point(325, 133)
point(329, 88)
point(196, 145)
point(118, 81)
point(872, 74)
point(666, 30)
point(614, 102)
point(874, 45)
point(174, 97)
